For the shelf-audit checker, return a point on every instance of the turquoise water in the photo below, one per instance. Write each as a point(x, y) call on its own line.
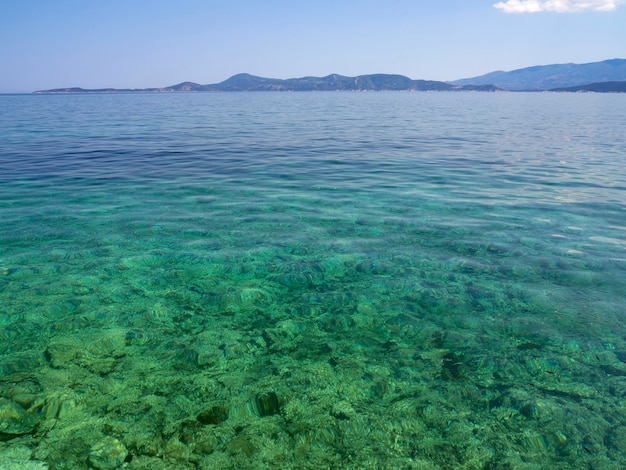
point(313, 280)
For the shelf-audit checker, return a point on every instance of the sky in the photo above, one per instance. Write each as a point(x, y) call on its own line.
point(48, 44)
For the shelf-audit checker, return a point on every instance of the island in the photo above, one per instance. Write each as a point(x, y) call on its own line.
point(333, 82)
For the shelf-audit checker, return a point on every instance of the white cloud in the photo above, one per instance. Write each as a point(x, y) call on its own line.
point(559, 6)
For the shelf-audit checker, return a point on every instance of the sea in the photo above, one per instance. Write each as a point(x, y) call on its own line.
point(330, 280)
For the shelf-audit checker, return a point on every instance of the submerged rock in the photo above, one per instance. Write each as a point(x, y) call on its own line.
point(268, 404)
point(14, 420)
point(107, 454)
point(342, 410)
point(213, 415)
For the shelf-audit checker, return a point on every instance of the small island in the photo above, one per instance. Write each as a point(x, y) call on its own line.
point(598, 87)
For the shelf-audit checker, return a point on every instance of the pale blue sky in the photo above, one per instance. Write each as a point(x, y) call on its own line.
point(150, 43)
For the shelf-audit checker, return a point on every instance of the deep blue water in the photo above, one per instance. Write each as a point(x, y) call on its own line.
point(314, 280)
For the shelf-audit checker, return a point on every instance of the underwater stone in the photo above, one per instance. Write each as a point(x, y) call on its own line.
point(14, 420)
point(107, 454)
point(213, 415)
point(176, 450)
point(529, 410)
point(437, 339)
point(342, 410)
point(135, 337)
point(621, 355)
point(241, 445)
point(268, 404)
point(452, 363)
point(371, 267)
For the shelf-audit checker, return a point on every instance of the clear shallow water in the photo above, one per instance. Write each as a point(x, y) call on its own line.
point(315, 280)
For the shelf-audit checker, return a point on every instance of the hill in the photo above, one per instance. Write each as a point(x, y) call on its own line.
point(334, 82)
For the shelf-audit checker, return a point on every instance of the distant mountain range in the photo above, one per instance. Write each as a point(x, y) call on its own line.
point(605, 76)
point(549, 77)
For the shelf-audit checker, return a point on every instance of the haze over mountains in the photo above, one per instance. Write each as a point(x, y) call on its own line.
point(604, 76)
